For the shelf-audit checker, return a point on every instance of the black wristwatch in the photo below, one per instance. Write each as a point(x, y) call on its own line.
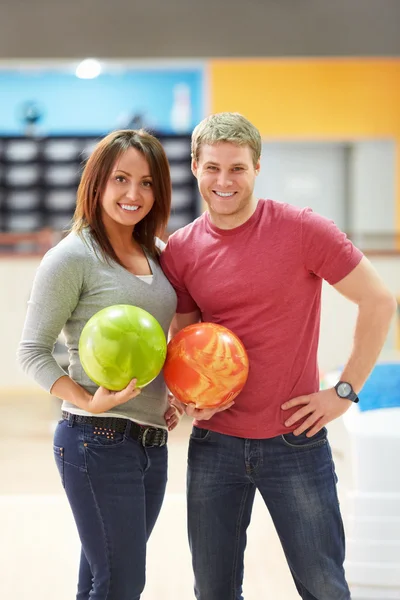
point(345, 390)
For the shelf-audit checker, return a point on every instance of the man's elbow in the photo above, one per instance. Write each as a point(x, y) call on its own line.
point(393, 304)
point(386, 303)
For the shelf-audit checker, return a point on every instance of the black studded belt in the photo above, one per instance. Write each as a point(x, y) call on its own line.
point(147, 436)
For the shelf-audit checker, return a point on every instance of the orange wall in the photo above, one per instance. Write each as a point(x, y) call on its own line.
point(313, 98)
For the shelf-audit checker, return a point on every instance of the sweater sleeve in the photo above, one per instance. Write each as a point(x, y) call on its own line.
point(55, 293)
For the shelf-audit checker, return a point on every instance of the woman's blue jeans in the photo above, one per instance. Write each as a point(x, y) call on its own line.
point(296, 479)
point(115, 487)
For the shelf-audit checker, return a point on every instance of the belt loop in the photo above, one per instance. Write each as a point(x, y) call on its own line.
point(71, 420)
point(128, 428)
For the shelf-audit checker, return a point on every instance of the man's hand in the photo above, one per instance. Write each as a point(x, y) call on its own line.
point(204, 414)
point(201, 414)
point(317, 409)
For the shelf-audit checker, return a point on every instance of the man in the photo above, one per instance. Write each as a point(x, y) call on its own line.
point(256, 267)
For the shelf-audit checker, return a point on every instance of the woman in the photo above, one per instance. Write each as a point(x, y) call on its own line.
point(110, 447)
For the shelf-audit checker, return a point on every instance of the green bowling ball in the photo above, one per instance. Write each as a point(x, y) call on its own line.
point(120, 343)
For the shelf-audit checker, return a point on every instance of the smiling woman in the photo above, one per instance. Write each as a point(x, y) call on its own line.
point(109, 258)
point(128, 195)
point(127, 168)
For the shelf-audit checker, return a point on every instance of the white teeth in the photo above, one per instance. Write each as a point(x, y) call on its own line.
point(129, 207)
point(224, 194)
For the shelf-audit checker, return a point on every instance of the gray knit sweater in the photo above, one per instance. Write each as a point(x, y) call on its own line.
point(72, 283)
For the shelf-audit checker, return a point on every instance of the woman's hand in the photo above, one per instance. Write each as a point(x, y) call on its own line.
point(103, 400)
point(172, 417)
point(174, 413)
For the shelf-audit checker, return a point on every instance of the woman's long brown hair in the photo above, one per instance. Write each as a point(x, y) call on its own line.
point(94, 180)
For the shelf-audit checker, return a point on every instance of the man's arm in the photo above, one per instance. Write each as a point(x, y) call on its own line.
point(376, 306)
point(182, 320)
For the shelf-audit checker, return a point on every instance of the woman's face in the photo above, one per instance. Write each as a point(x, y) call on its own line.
point(128, 196)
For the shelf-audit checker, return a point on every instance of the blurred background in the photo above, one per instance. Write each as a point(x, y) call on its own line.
point(321, 80)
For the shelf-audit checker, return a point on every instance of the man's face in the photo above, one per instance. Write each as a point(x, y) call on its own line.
point(226, 176)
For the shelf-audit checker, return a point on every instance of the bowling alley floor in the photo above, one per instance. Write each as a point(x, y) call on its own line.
point(39, 547)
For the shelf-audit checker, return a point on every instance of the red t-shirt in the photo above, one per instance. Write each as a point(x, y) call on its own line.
point(263, 281)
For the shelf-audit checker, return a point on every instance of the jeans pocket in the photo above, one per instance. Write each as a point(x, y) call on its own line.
point(199, 434)
point(59, 458)
point(303, 442)
point(103, 437)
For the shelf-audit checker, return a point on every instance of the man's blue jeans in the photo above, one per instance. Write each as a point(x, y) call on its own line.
point(115, 487)
point(296, 478)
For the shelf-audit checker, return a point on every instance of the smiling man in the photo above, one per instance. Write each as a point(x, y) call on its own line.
point(257, 266)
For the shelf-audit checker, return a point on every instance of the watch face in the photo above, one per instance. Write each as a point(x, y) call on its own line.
point(344, 389)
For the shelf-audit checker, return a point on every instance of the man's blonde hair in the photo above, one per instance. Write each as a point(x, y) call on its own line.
point(226, 127)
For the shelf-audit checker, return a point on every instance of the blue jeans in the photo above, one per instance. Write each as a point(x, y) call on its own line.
point(115, 487)
point(296, 479)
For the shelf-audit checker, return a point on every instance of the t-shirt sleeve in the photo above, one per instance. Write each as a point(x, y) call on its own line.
point(55, 293)
point(171, 260)
point(327, 251)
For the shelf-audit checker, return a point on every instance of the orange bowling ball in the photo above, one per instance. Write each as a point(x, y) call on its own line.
point(206, 364)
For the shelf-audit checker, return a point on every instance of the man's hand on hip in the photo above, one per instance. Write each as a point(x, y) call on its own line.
point(317, 410)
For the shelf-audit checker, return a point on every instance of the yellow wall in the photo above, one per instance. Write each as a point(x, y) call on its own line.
point(313, 99)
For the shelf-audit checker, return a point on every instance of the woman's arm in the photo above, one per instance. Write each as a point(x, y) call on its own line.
point(102, 401)
point(56, 291)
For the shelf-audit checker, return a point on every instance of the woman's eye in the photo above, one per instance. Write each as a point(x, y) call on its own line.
point(120, 178)
point(147, 183)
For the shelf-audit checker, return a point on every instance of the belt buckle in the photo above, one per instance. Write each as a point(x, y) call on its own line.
point(144, 436)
